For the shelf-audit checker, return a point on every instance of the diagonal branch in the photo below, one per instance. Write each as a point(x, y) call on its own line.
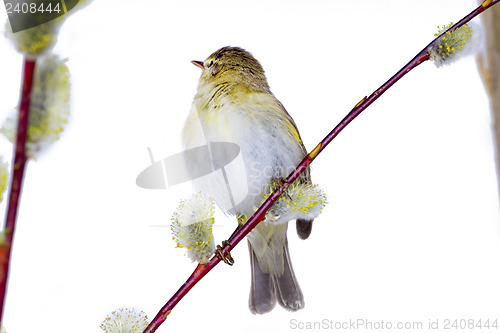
point(202, 270)
point(18, 167)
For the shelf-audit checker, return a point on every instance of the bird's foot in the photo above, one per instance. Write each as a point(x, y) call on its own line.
point(283, 185)
point(228, 259)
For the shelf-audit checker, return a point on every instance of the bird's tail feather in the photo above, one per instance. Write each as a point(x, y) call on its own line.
point(262, 290)
point(267, 288)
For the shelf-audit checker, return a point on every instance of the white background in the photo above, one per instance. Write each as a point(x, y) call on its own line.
point(411, 232)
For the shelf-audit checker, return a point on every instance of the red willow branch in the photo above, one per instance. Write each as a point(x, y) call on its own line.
point(18, 167)
point(202, 270)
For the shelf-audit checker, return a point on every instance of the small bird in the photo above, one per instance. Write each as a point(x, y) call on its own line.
point(234, 104)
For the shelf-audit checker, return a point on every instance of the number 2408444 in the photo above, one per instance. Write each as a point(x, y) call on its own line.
point(460, 324)
point(32, 8)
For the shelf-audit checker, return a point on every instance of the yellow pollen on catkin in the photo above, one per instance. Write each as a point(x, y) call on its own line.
point(449, 43)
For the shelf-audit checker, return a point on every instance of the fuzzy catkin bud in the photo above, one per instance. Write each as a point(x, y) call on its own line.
point(192, 227)
point(49, 106)
point(4, 176)
point(301, 200)
point(39, 40)
point(35, 41)
point(125, 321)
point(455, 44)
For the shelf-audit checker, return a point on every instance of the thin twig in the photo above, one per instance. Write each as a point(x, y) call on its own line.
point(17, 178)
point(202, 270)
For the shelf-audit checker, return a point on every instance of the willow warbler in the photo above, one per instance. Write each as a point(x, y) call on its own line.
point(234, 104)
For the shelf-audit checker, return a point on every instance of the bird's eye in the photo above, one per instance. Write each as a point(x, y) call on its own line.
point(210, 64)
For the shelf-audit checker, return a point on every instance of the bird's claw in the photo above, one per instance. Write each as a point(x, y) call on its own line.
point(228, 259)
point(283, 185)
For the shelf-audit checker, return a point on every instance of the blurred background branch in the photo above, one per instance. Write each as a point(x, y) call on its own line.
point(489, 68)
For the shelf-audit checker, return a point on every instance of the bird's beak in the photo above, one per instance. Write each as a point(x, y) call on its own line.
point(198, 64)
